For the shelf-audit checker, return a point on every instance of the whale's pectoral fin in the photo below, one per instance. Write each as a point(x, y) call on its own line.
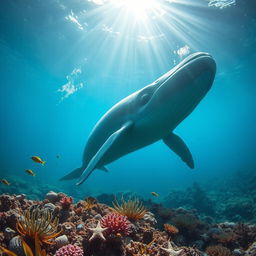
point(175, 143)
point(104, 148)
point(104, 169)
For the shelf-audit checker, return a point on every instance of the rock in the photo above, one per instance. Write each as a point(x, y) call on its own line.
point(52, 197)
point(9, 233)
point(251, 251)
point(21, 197)
point(150, 217)
point(98, 217)
point(61, 241)
point(238, 252)
point(15, 246)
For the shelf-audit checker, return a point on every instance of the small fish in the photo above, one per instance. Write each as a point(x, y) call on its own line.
point(37, 159)
point(58, 156)
point(4, 181)
point(154, 194)
point(30, 172)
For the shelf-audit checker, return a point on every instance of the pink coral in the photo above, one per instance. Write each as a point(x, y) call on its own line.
point(70, 250)
point(66, 202)
point(117, 224)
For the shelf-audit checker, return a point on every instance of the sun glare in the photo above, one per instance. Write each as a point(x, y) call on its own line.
point(139, 9)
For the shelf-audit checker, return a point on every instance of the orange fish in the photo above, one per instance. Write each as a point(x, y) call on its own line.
point(37, 159)
point(4, 181)
point(30, 172)
point(154, 194)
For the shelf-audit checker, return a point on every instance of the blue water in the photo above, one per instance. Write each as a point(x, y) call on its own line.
point(65, 63)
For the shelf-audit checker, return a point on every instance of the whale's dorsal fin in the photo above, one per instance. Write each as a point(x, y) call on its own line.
point(103, 149)
point(176, 144)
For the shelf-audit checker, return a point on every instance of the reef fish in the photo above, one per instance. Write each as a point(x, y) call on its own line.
point(154, 194)
point(30, 172)
point(37, 159)
point(5, 182)
point(149, 115)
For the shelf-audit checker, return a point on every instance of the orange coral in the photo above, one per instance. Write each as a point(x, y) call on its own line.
point(170, 229)
point(90, 203)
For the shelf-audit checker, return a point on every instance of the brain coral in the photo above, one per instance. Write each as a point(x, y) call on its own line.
point(69, 250)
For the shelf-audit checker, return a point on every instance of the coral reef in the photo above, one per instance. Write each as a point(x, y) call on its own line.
point(60, 226)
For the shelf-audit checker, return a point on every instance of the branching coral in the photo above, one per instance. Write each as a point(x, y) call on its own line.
point(132, 209)
point(38, 224)
point(218, 250)
point(117, 224)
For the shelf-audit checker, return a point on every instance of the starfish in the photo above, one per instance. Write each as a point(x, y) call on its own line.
point(97, 232)
point(171, 251)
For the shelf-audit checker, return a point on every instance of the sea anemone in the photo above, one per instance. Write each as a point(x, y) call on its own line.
point(38, 223)
point(69, 250)
point(218, 250)
point(132, 209)
point(117, 224)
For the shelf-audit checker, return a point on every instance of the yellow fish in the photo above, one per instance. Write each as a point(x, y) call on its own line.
point(154, 194)
point(4, 181)
point(37, 159)
point(30, 172)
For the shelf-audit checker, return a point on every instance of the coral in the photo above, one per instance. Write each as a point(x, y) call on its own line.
point(140, 249)
point(69, 250)
point(186, 222)
point(218, 250)
point(38, 223)
point(132, 209)
point(117, 224)
point(66, 202)
point(245, 234)
point(89, 203)
point(190, 251)
point(225, 237)
point(170, 229)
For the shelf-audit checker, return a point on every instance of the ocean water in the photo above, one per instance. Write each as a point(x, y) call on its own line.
point(65, 63)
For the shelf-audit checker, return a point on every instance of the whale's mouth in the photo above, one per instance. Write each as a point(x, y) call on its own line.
point(186, 61)
point(183, 63)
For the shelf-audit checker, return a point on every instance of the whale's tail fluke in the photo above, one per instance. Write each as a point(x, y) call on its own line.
point(74, 174)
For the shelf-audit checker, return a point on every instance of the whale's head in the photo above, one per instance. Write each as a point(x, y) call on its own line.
point(174, 95)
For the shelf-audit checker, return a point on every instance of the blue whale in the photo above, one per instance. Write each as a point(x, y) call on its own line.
point(149, 115)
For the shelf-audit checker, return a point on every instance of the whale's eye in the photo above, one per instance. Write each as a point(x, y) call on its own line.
point(145, 98)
